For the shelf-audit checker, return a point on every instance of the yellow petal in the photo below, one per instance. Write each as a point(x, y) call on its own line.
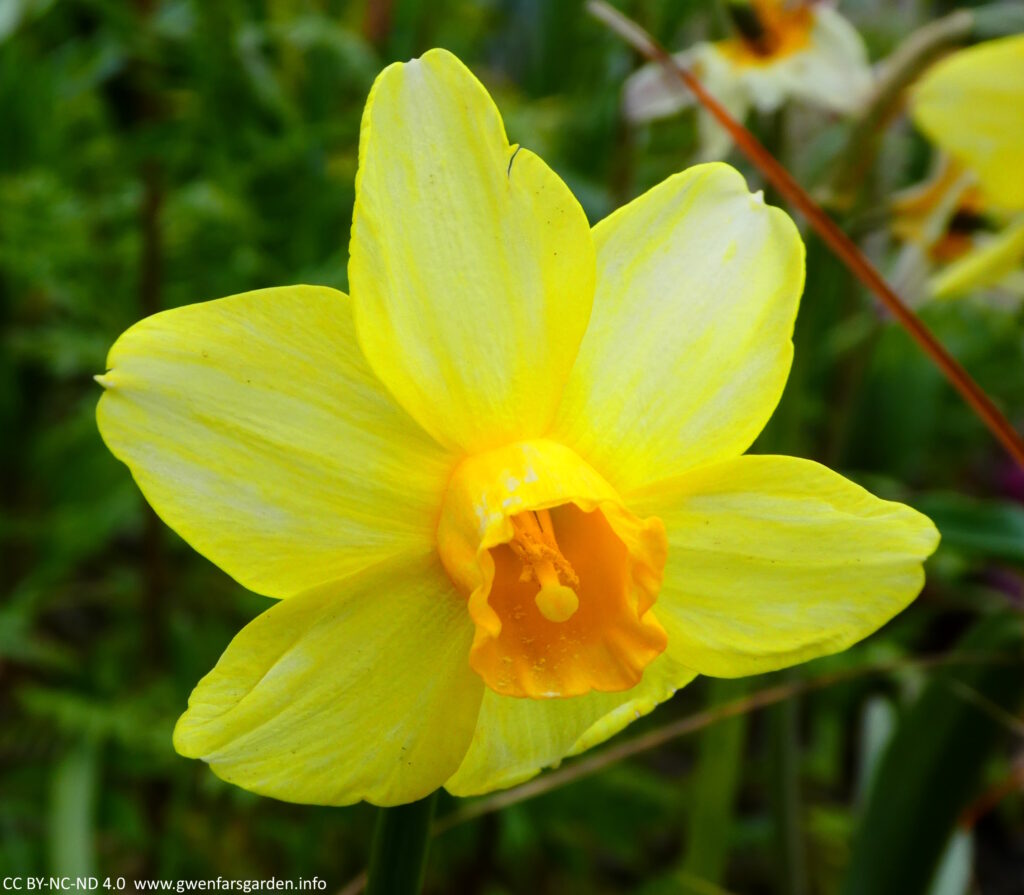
point(969, 104)
point(985, 265)
point(356, 690)
point(516, 738)
point(472, 266)
point(921, 213)
point(256, 430)
point(775, 560)
point(689, 343)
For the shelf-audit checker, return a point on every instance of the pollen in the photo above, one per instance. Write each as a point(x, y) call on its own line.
point(535, 545)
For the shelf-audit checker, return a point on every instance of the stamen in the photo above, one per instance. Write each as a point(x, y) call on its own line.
point(747, 22)
point(967, 220)
point(558, 603)
point(544, 518)
point(535, 545)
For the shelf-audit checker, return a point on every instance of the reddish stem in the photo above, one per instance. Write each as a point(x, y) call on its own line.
point(1010, 785)
point(841, 244)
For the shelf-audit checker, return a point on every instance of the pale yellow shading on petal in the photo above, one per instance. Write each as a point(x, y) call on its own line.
point(256, 430)
point(776, 560)
point(516, 738)
point(689, 344)
point(472, 265)
point(356, 690)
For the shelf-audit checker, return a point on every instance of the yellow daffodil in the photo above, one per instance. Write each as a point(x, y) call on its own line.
point(972, 213)
point(499, 492)
point(780, 50)
point(969, 104)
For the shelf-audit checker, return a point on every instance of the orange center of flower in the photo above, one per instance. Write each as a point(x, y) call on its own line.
point(967, 221)
point(567, 623)
point(943, 215)
point(536, 548)
point(767, 30)
point(559, 586)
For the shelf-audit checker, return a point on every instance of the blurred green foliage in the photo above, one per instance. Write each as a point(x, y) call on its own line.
point(161, 152)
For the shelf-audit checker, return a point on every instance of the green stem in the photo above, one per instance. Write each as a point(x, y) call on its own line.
point(786, 802)
point(398, 858)
point(716, 779)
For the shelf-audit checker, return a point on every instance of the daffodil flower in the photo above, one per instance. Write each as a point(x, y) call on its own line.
point(803, 51)
point(499, 492)
point(972, 212)
point(954, 242)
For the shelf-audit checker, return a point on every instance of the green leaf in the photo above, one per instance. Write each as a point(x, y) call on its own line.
point(981, 527)
point(954, 873)
point(933, 766)
point(400, 844)
point(72, 812)
point(715, 780)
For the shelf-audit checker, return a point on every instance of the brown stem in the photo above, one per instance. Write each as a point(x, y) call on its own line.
point(841, 244)
point(603, 758)
point(610, 755)
point(1011, 784)
point(377, 21)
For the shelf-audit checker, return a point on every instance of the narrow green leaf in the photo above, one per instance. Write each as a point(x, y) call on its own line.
point(982, 527)
point(398, 858)
point(877, 729)
point(715, 780)
point(786, 799)
point(933, 767)
point(72, 812)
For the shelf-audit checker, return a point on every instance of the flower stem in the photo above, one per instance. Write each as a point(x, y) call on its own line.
point(837, 240)
point(398, 857)
point(784, 758)
point(898, 72)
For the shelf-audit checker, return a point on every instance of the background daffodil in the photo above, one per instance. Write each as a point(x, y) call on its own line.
point(499, 492)
point(803, 51)
point(973, 211)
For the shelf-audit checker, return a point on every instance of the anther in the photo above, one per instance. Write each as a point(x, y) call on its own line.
point(557, 603)
point(535, 545)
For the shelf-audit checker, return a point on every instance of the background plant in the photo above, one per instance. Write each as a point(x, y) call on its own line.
point(160, 153)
